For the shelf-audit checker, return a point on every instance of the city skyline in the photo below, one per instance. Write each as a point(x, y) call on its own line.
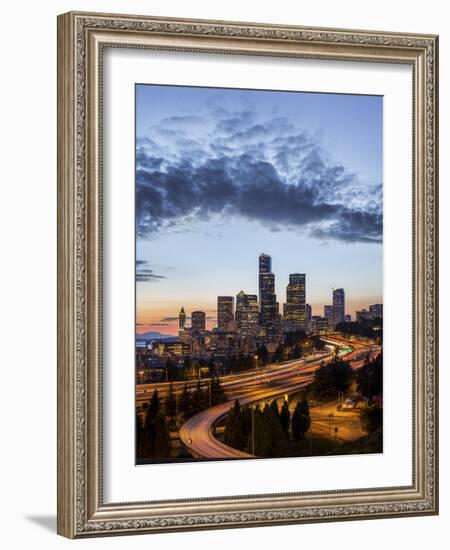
point(221, 174)
point(226, 306)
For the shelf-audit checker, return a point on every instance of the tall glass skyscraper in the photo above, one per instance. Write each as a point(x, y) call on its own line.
point(198, 321)
point(225, 313)
point(338, 306)
point(268, 314)
point(247, 315)
point(265, 263)
point(295, 306)
point(328, 313)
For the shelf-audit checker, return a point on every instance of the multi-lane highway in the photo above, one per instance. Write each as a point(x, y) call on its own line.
point(231, 382)
point(197, 432)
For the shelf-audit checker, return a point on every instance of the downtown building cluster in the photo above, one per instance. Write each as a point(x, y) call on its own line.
point(247, 321)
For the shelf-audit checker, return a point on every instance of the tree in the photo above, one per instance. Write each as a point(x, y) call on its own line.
point(237, 436)
point(317, 342)
point(153, 408)
point(262, 439)
point(301, 419)
point(370, 378)
point(139, 436)
point(274, 407)
point(279, 354)
point(369, 328)
point(285, 417)
point(296, 352)
point(217, 392)
point(332, 378)
point(294, 337)
point(149, 431)
point(230, 422)
point(171, 406)
point(263, 354)
point(371, 419)
point(162, 445)
point(278, 443)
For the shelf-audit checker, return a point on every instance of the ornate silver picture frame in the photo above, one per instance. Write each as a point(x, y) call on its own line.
point(82, 39)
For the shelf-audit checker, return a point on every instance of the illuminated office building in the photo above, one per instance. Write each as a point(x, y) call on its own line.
point(295, 307)
point(198, 321)
point(181, 319)
point(247, 314)
point(225, 315)
point(268, 311)
point(328, 313)
point(338, 306)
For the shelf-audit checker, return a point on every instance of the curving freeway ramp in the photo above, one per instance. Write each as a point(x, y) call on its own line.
point(197, 432)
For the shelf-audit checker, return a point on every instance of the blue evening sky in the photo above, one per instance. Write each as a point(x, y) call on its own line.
point(223, 175)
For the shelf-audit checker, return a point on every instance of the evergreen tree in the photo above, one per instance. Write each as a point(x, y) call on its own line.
point(295, 352)
point(277, 438)
point(301, 419)
point(371, 419)
point(274, 407)
point(217, 392)
point(370, 377)
point(263, 355)
point(285, 417)
point(230, 422)
point(171, 406)
point(162, 445)
point(237, 439)
point(139, 436)
point(279, 354)
point(331, 378)
point(262, 439)
point(149, 428)
point(153, 408)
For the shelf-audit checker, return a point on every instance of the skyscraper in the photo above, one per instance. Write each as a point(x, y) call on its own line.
point(247, 314)
point(265, 263)
point(376, 310)
point(181, 319)
point(295, 306)
point(267, 297)
point(240, 304)
point(198, 321)
point(308, 311)
point(225, 313)
point(328, 313)
point(338, 306)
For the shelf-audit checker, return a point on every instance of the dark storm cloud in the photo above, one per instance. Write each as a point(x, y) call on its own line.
point(268, 172)
point(145, 274)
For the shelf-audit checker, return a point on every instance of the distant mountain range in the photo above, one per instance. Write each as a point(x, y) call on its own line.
point(153, 336)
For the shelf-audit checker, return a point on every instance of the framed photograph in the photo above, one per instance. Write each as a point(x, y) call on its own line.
point(247, 277)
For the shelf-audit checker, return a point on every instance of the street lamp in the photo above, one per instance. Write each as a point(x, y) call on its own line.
point(141, 373)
